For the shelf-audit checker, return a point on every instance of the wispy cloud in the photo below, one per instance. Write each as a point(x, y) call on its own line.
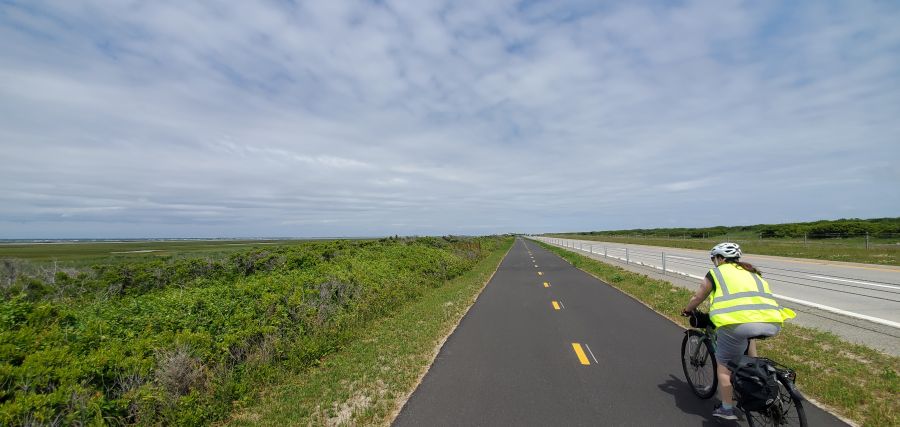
point(372, 118)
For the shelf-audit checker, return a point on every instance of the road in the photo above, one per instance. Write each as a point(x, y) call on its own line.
point(513, 361)
point(868, 292)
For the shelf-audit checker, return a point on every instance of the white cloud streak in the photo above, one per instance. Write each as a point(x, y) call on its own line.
point(279, 118)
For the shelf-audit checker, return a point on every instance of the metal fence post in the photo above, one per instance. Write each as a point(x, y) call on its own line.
point(604, 252)
point(664, 263)
point(626, 256)
point(867, 240)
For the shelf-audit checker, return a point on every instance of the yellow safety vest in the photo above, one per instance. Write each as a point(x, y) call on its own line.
point(743, 297)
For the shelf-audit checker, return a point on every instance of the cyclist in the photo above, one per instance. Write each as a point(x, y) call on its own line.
point(742, 307)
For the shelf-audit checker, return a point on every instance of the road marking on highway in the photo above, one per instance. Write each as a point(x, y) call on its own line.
point(804, 302)
point(693, 276)
point(546, 284)
point(535, 266)
point(540, 274)
point(839, 311)
point(852, 281)
point(592, 354)
point(580, 353)
point(555, 305)
point(782, 259)
point(778, 258)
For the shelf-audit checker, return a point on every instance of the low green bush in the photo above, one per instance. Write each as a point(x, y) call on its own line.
point(877, 227)
point(180, 341)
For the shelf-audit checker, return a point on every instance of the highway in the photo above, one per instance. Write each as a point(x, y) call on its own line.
point(867, 292)
point(548, 344)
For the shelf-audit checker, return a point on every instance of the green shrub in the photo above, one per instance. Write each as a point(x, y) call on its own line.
point(816, 229)
point(177, 341)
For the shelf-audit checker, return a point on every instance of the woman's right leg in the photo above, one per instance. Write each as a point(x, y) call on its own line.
point(725, 391)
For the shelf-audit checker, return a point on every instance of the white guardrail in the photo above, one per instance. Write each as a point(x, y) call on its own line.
point(664, 266)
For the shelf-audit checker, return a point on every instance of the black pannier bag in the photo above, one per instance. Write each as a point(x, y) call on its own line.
point(699, 319)
point(754, 382)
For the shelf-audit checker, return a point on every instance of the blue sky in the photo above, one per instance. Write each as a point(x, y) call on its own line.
point(332, 118)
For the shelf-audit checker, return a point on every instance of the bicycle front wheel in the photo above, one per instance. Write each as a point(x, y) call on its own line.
point(787, 411)
point(699, 364)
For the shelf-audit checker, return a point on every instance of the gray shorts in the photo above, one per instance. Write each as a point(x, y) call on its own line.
point(731, 340)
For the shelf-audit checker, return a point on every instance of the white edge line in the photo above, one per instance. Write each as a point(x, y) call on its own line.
point(592, 354)
point(851, 281)
point(561, 304)
point(815, 402)
point(872, 319)
point(842, 312)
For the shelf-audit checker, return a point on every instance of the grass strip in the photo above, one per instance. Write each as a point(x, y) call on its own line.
point(857, 382)
point(368, 381)
point(85, 254)
point(881, 254)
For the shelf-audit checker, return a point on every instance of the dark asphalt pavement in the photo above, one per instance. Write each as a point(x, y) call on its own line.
point(511, 361)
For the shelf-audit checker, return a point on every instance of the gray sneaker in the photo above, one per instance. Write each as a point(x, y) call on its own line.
point(725, 414)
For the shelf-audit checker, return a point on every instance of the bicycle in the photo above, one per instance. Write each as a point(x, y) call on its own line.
point(698, 359)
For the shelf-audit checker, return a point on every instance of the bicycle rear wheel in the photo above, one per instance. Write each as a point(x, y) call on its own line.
point(699, 364)
point(787, 411)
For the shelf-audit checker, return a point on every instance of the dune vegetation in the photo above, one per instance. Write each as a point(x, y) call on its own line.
point(187, 340)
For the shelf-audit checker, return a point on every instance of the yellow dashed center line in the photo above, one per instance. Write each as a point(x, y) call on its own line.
point(546, 284)
point(540, 274)
point(555, 305)
point(581, 356)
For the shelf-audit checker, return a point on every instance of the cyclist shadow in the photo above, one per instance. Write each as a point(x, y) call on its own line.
point(688, 402)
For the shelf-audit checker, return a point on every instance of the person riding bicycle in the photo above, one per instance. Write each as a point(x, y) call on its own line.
point(742, 307)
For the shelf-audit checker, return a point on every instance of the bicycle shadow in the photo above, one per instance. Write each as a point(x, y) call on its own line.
point(689, 403)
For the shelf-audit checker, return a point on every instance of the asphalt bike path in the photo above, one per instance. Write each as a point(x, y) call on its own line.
point(872, 291)
point(595, 357)
point(859, 311)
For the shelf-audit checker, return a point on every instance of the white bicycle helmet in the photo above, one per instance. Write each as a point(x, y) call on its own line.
point(726, 249)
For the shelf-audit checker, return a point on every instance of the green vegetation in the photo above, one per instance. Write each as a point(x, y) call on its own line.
point(814, 230)
point(368, 381)
point(183, 340)
point(43, 261)
point(84, 254)
point(840, 240)
point(859, 383)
